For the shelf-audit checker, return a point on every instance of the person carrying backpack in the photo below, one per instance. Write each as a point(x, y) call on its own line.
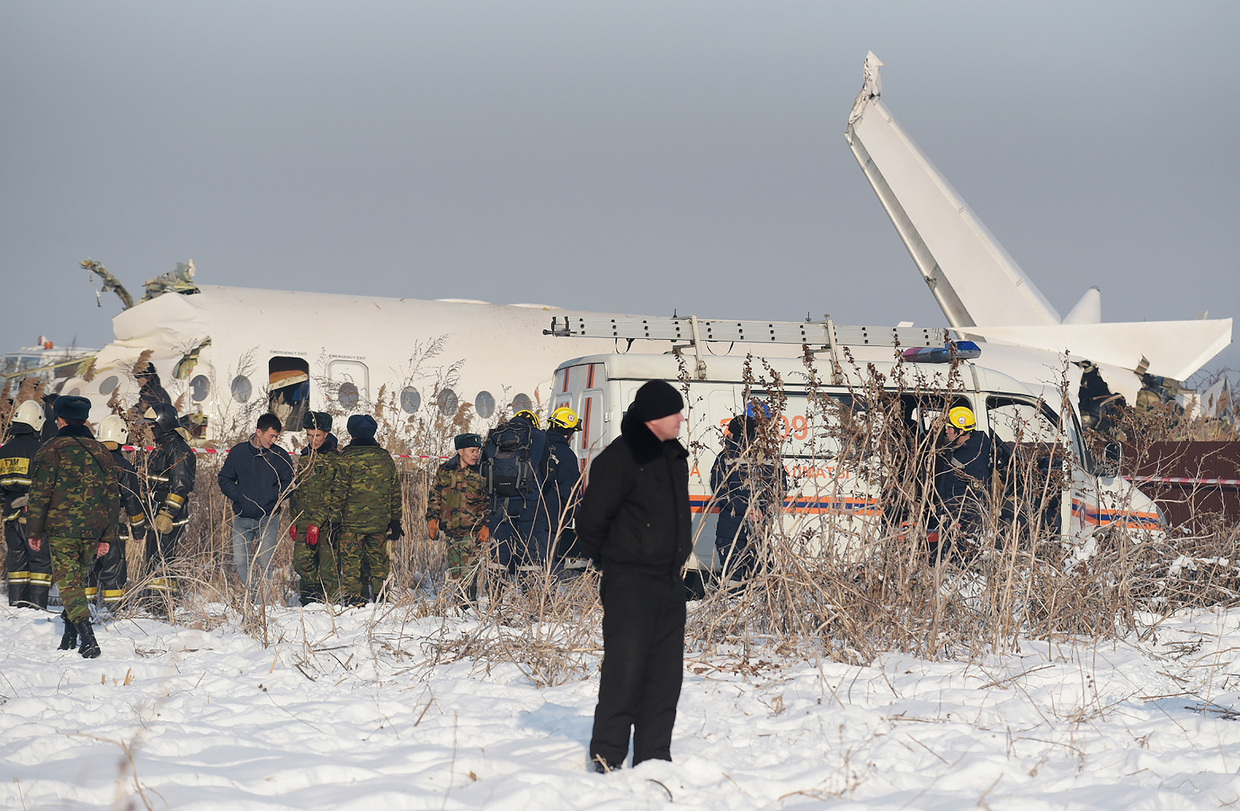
point(511, 460)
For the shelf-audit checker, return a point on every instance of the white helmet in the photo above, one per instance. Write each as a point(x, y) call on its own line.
point(30, 412)
point(114, 429)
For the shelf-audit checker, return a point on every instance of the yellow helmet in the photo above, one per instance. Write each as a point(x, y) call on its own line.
point(565, 417)
point(529, 415)
point(962, 418)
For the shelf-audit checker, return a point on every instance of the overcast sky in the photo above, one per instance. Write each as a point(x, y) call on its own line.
point(627, 156)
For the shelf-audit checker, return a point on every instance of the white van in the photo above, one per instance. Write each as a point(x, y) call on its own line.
point(835, 495)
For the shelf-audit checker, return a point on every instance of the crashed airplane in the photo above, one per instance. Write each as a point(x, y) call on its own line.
point(435, 368)
point(987, 298)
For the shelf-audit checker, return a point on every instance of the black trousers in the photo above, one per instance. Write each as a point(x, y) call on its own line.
point(30, 572)
point(643, 661)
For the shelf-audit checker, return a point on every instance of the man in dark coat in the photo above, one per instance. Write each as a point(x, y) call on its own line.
point(634, 523)
point(30, 572)
point(749, 492)
point(150, 392)
point(257, 477)
point(511, 466)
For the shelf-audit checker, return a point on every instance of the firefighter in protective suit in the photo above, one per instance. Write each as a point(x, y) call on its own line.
point(30, 572)
point(170, 472)
point(561, 490)
point(962, 485)
point(108, 576)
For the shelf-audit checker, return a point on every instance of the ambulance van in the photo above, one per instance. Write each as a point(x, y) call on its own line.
point(836, 487)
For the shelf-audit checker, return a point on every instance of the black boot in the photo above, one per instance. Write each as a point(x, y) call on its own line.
point(36, 595)
point(90, 648)
point(17, 594)
point(69, 640)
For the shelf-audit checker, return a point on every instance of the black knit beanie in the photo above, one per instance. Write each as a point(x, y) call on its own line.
point(655, 400)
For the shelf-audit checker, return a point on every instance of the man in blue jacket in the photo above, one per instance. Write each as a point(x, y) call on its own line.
point(257, 477)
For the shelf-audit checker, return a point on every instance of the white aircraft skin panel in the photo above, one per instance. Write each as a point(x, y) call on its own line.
point(500, 350)
point(1125, 344)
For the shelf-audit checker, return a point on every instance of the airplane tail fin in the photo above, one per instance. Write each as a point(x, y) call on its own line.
point(973, 278)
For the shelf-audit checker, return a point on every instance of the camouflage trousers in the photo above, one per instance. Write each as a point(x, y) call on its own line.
point(364, 563)
point(464, 563)
point(72, 560)
point(318, 565)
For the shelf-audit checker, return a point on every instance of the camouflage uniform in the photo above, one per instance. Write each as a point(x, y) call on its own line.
point(30, 572)
point(317, 565)
point(458, 501)
point(366, 496)
point(110, 572)
point(73, 508)
point(170, 473)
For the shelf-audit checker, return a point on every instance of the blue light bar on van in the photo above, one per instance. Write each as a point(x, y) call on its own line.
point(961, 350)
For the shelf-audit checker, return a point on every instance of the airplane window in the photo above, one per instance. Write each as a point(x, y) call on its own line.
point(109, 384)
point(484, 404)
point(76, 391)
point(242, 388)
point(199, 388)
point(410, 400)
point(522, 402)
point(447, 402)
point(347, 395)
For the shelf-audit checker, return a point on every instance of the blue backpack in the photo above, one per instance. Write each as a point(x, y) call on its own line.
point(506, 464)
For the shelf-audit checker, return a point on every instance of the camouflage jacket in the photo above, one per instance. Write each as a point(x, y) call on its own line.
point(16, 459)
point(74, 491)
point(366, 492)
point(458, 498)
point(316, 473)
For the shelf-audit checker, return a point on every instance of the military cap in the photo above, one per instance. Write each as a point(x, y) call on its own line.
point(316, 420)
point(362, 426)
point(72, 407)
point(467, 441)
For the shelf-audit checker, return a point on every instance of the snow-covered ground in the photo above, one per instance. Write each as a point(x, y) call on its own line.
point(346, 712)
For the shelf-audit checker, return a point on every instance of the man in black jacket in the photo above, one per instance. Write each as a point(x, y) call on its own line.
point(634, 523)
point(257, 477)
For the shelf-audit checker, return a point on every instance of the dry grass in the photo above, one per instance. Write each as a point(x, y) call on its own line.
point(829, 585)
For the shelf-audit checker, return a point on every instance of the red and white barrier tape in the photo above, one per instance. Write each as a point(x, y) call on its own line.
point(1185, 480)
point(150, 448)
